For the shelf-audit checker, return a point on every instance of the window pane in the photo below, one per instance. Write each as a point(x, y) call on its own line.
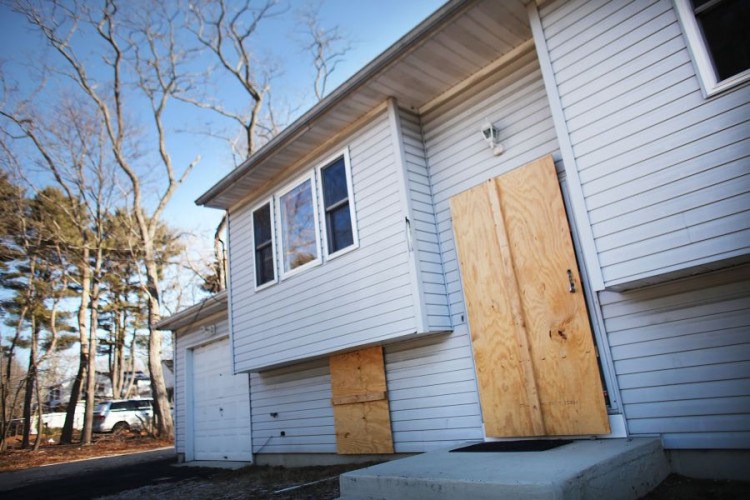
point(334, 183)
point(298, 226)
point(336, 200)
point(264, 268)
point(262, 224)
point(339, 228)
point(727, 33)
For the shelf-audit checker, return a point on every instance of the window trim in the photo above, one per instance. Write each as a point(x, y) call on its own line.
point(350, 196)
point(704, 67)
point(309, 175)
point(272, 206)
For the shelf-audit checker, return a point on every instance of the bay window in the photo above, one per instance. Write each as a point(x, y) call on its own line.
point(292, 217)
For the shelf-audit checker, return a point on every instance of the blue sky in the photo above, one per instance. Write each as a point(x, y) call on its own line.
point(371, 26)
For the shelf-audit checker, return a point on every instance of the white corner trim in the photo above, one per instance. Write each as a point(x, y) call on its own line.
point(578, 201)
point(230, 302)
point(415, 275)
point(189, 407)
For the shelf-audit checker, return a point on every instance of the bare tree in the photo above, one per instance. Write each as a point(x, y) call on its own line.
point(142, 59)
point(226, 29)
point(71, 145)
point(327, 46)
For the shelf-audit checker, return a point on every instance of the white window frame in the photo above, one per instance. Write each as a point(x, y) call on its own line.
point(310, 175)
point(700, 54)
point(268, 201)
point(322, 205)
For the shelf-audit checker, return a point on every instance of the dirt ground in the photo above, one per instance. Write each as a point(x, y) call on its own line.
point(308, 483)
point(253, 482)
point(321, 483)
point(104, 445)
point(683, 488)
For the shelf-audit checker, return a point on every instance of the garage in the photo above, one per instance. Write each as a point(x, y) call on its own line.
point(221, 406)
point(211, 404)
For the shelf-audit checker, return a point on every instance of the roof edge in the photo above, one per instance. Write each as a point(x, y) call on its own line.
point(210, 306)
point(383, 60)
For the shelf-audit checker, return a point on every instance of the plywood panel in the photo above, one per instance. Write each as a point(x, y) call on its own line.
point(360, 404)
point(503, 381)
point(562, 348)
point(363, 428)
point(357, 372)
point(533, 346)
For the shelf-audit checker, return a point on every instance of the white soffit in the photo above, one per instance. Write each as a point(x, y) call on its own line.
point(450, 46)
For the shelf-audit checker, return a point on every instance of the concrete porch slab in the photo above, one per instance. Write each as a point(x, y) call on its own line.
point(616, 469)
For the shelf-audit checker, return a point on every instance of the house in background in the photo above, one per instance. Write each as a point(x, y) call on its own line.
point(522, 219)
point(58, 395)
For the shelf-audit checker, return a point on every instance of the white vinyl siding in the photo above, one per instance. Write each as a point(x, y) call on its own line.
point(664, 171)
point(682, 356)
point(184, 338)
point(361, 297)
point(439, 391)
point(425, 229)
point(459, 158)
point(432, 393)
point(295, 400)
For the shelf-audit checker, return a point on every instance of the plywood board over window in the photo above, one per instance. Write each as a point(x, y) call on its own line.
point(360, 403)
point(533, 347)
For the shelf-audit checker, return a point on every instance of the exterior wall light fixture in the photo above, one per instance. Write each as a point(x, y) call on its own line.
point(490, 134)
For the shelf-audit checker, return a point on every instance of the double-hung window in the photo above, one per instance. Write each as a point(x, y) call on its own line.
point(718, 35)
point(265, 270)
point(337, 207)
point(298, 224)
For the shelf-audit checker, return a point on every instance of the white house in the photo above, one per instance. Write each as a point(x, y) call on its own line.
point(522, 219)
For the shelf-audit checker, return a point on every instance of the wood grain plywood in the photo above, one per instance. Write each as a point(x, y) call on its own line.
point(533, 346)
point(360, 405)
point(557, 324)
point(498, 358)
point(357, 372)
point(363, 428)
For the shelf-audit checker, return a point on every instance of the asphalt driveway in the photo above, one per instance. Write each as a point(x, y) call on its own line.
point(98, 477)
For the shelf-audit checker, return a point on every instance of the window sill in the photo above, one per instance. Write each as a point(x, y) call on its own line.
point(729, 83)
point(269, 284)
point(297, 270)
point(343, 251)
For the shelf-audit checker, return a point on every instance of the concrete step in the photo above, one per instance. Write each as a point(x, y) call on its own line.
point(615, 469)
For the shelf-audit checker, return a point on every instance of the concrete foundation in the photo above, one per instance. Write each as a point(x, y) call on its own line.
point(317, 459)
point(616, 469)
point(214, 464)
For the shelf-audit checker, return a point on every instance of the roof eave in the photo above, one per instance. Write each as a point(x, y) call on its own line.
point(208, 307)
point(371, 70)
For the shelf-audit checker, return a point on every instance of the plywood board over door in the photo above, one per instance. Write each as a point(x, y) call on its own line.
point(360, 403)
point(534, 352)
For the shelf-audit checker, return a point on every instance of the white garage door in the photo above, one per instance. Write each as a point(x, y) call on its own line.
point(221, 406)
